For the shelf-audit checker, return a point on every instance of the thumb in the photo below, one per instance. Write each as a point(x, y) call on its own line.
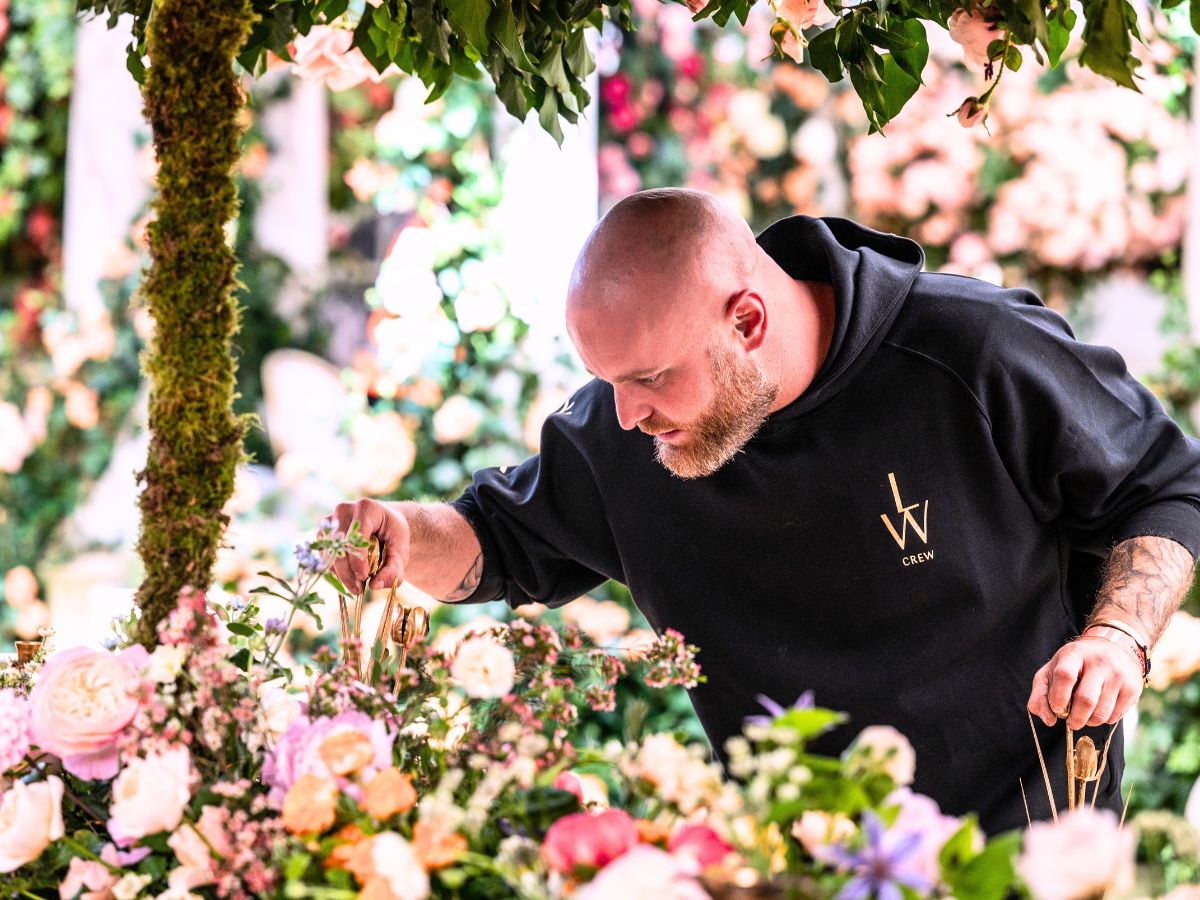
point(395, 558)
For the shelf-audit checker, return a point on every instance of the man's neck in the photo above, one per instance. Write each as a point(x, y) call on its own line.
point(805, 338)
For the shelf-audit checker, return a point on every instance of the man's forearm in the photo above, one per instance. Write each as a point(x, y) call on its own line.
point(445, 559)
point(1145, 581)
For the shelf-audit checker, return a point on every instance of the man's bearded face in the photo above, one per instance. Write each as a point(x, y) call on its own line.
point(743, 400)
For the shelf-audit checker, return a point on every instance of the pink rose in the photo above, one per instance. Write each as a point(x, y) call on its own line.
point(1084, 854)
point(586, 840)
point(84, 698)
point(192, 844)
point(701, 842)
point(325, 54)
point(974, 33)
point(14, 728)
point(30, 818)
point(645, 871)
point(89, 874)
point(150, 795)
point(805, 13)
point(971, 113)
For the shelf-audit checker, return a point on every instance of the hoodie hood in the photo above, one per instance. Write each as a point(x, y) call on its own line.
point(871, 273)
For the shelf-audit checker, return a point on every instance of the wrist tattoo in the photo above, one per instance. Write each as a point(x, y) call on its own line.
point(469, 582)
point(1145, 580)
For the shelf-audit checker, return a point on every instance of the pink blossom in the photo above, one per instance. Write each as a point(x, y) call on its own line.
point(974, 32)
point(298, 751)
point(95, 876)
point(30, 819)
point(699, 840)
point(588, 840)
point(645, 873)
point(150, 795)
point(803, 14)
point(83, 700)
point(14, 728)
point(921, 815)
point(325, 54)
point(1085, 853)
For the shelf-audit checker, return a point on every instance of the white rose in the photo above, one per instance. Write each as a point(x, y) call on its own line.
point(1084, 854)
point(278, 708)
point(483, 668)
point(150, 794)
point(30, 818)
point(397, 863)
point(166, 662)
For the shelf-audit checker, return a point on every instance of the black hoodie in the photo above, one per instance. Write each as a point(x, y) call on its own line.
point(911, 538)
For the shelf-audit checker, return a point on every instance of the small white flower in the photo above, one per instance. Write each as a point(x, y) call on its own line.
point(129, 887)
point(166, 662)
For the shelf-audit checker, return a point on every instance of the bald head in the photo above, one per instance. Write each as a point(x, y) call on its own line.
point(669, 245)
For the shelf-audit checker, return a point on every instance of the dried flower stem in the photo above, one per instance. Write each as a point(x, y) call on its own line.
point(1045, 773)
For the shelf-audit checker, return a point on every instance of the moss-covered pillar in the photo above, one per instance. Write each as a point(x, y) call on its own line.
point(193, 98)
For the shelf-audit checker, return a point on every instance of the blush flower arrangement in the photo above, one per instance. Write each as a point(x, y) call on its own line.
point(203, 769)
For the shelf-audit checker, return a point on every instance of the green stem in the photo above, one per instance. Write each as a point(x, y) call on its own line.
point(1003, 56)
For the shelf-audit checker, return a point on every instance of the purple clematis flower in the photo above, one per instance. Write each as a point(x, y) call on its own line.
point(879, 868)
point(804, 701)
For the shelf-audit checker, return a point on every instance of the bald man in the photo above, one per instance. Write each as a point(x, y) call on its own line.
point(914, 494)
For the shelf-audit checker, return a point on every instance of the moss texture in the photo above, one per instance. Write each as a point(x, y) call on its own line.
point(192, 100)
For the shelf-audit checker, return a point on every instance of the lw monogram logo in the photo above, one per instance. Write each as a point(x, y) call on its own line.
point(907, 520)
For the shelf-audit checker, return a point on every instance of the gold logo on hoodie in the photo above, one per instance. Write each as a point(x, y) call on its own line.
point(908, 520)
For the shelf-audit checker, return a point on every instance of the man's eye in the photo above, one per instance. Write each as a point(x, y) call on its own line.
point(650, 379)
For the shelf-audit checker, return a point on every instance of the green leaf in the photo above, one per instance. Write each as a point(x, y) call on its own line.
point(869, 93)
point(994, 49)
point(888, 40)
point(1060, 36)
point(1107, 44)
point(1194, 13)
point(336, 583)
point(808, 723)
point(503, 26)
point(1012, 58)
point(578, 56)
point(553, 70)
point(431, 30)
point(548, 116)
point(510, 91)
point(241, 659)
point(912, 61)
point(241, 628)
point(133, 62)
point(823, 55)
point(990, 875)
point(470, 18)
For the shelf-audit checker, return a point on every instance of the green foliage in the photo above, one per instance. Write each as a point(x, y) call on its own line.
point(192, 99)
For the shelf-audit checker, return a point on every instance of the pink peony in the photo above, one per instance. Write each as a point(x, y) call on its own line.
point(645, 873)
point(84, 698)
point(14, 728)
point(974, 33)
point(298, 752)
point(150, 795)
point(30, 818)
point(1085, 854)
point(698, 840)
point(586, 840)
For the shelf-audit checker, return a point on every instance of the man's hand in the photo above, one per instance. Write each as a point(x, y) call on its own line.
point(1097, 679)
point(389, 525)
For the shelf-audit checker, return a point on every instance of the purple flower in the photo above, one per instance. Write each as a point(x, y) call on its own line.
point(882, 865)
point(275, 625)
point(804, 701)
point(309, 559)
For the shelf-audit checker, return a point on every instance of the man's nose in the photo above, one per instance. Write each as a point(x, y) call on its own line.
point(630, 410)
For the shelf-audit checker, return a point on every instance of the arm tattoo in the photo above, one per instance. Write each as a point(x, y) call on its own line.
point(1145, 580)
point(469, 582)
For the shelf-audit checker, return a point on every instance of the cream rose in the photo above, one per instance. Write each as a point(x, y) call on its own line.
point(884, 747)
point(30, 818)
point(1084, 854)
point(150, 795)
point(456, 420)
point(82, 701)
point(483, 668)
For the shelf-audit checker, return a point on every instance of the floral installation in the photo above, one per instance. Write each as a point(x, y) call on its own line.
point(207, 768)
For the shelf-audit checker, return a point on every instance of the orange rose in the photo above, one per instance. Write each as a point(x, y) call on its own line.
point(376, 889)
point(310, 805)
point(652, 832)
point(436, 848)
point(388, 793)
point(346, 752)
point(349, 855)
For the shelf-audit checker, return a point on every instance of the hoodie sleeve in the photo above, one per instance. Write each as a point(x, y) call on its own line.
point(1086, 444)
point(541, 525)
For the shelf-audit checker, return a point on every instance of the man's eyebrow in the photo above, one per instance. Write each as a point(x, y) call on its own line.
point(632, 376)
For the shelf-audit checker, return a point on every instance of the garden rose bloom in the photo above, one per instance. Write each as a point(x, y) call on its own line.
point(436, 846)
point(1177, 653)
point(298, 752)
point(30, 818)
point(974, 33)
point(602, 620)
point(456, 420)
point(89, 874)
point(887, 748)
point(388, 793)
point(817, 831)
point(82, 405)
point(971, 112)
point(82, 701)
point(1084, 854)
point(192, 844)
point(483, 668)
point(150, 795)
point(583, 839)
point(325, 54)
point(278, 708)
point(14, 728)
point(805, 13)
point(310, 806)
point(645, 873)
point(166, 662)
point(345, 752)
point(397, 865)
point(590, 789)
point(702, 843)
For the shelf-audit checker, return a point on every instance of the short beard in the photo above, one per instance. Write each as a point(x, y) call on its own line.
point(744, 398)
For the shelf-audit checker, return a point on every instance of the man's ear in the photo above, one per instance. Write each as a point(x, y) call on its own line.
point(747, 313)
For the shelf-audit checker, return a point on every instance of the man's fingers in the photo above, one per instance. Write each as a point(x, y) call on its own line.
point(1064, 674)
point(1126, 697)
point(1088, 693)
point(352, 569)
point(394, 538)
point(1109, 697)
point(1039, 703)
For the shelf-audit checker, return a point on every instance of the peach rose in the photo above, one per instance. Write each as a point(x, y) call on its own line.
point(817, 831)
point(310, 806)
point(84, 698)
point(805, 13)
point(194, 846)
point(456, 420)
point(1084, 854)
point(89, 874)
point(388, 793)
point(435, 846)
point(150, 795)
point(82, 405)
point(483, 668)
point(30, 818)
point(347, 751)
point(974, 33)
point(325, 54)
